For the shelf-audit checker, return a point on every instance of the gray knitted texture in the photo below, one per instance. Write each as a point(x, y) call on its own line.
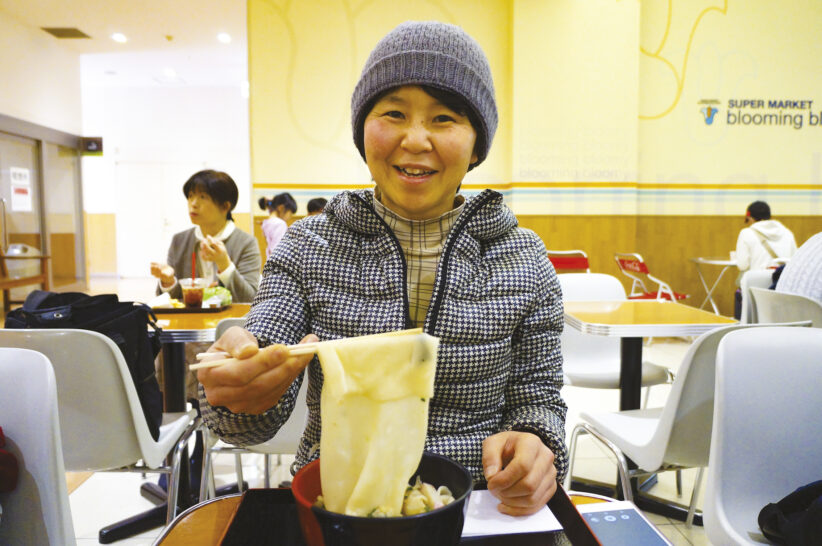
point(434, 54)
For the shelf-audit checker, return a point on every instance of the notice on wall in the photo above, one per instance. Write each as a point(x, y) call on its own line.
point(21, 200)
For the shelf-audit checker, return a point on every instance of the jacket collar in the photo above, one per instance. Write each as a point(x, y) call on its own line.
point(484, 217)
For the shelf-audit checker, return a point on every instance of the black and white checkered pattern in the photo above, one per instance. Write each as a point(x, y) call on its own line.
point(496, 308)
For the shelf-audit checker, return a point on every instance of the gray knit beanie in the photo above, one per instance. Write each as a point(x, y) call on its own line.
point(433, 54)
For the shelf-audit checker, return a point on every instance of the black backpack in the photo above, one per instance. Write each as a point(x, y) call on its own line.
point(132, 326)
point(796, 520)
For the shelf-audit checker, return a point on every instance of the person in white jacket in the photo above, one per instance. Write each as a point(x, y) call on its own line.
point(759, 245)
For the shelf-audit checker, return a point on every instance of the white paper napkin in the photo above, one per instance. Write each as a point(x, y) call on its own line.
point(483, 518)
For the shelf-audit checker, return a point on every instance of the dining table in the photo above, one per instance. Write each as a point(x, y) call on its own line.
point(724, 264)
point(181, 326)
point(631, 321)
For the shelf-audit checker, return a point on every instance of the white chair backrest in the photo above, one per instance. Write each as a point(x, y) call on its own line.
point(288, 437)
point(575, 345)
point(684, 432)
point(227, 323)
point(766, 424)
point(760, 278)
point(772, 307)
point(590, 286)
point(37, 511)
point(100, 415)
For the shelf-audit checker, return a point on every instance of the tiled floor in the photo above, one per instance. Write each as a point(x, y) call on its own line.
point(108, 497)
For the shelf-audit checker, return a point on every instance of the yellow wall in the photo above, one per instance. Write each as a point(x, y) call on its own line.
point(602, 143)
point(600, 100)
point(575, 85)
point(701, 54)
point(305, 59)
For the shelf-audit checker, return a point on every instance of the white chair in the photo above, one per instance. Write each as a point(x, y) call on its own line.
point(761, 278)
point(594, 361)
point(37, 511)
point(766, 440)
point(772, 306)
point(285, 441)
point(672, 437)
point(103, 425)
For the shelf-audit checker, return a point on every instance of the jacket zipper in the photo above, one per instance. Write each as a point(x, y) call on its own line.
point(439, 290)
point(405, 302)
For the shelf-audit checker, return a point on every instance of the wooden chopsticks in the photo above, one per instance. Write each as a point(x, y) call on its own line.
point(293, 350)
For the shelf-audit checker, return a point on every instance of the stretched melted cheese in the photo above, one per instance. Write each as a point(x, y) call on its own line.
point(374, 419)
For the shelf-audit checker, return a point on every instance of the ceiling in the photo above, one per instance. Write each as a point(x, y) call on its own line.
point(170, 42)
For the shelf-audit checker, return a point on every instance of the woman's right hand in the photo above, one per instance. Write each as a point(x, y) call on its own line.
point(259, 378)
point(164, 272)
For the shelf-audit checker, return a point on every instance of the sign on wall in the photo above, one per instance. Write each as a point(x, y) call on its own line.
point(20, 189)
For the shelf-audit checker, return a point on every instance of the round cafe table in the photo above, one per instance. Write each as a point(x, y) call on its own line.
point(724, 263)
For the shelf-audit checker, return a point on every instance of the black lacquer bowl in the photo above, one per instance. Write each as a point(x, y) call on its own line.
point(442, 526)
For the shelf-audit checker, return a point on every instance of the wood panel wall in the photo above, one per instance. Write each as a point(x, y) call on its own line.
point(101, 243)
point(666, 243)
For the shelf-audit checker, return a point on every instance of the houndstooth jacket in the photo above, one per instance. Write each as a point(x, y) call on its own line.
point(496, 308)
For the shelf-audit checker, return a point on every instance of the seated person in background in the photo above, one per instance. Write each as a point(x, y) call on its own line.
point(803, 274)
point(225, 255)
point(414, 252)
point(316, 205)
point(764, 241)
point(280, 209)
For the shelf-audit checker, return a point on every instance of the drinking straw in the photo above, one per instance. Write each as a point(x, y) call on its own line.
point(193, 265)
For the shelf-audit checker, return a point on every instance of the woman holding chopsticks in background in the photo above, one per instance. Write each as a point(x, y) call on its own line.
point(414, 252)
point(222, 253)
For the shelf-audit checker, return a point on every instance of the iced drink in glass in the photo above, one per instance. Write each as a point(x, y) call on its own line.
point(193, 292)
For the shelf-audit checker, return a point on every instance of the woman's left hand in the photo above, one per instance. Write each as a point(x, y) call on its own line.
point(520, 471)
point(213, 250)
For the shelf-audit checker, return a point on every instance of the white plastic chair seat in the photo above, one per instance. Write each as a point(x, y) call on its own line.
point(677, 435)
point(37, 511)
point(772, 307)
point(101, 419)
point(173, 426)
point(765, 441)
point(761, 278)
point(632, 431)
point(604, 374)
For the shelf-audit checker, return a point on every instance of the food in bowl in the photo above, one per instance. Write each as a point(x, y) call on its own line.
point(441, 526)
point(374, 419)
point(419, 498)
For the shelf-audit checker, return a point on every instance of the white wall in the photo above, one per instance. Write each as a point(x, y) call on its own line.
point(40, 79)
point(154, 138)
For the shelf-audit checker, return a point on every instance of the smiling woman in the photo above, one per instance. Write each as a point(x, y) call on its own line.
point(418, 151)
point(414, 252)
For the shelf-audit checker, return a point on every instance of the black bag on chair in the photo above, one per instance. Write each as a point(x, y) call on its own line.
point(796, 520)
point(132, 326)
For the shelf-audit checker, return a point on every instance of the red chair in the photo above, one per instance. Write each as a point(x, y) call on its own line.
point(635, 268)
point(569, 261)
